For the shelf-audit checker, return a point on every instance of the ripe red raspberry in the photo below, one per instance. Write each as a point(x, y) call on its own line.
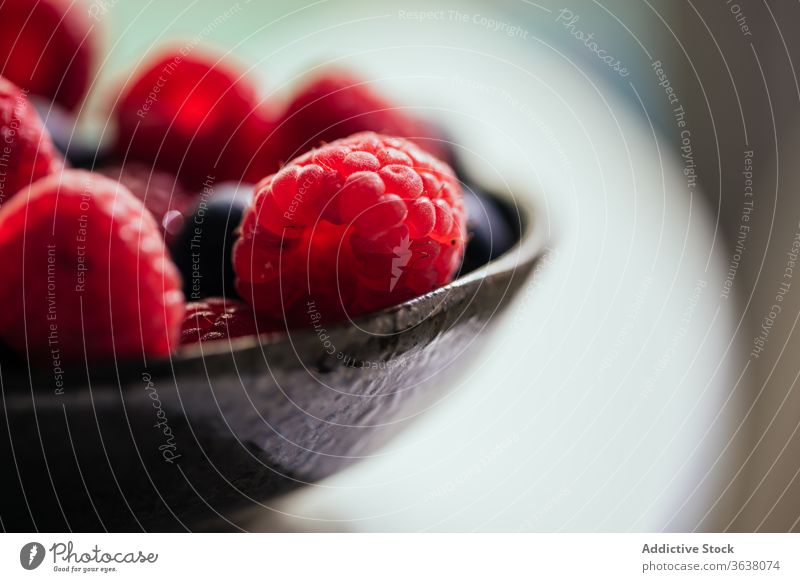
point(86, 273)
point(336, 104)
point(160, 192)
point(355, 226)
point(217, 318)
point(26, 151)
point(193, 117)
point(47, 47)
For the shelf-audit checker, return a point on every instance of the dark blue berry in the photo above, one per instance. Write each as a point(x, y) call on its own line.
point(490, 228)
point(202, 249)
point(61, 125)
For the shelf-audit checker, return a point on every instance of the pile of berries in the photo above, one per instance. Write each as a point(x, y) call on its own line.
point(213, 214)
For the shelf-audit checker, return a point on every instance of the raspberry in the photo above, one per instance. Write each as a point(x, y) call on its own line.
point(160, 192)
point(195, 118)
point(337, 104)
point(27, 153)
point(355, 226)
point(86, 273)
point(48, 48)
point(216, 318)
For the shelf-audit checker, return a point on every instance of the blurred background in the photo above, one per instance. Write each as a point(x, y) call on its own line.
point(645, 381)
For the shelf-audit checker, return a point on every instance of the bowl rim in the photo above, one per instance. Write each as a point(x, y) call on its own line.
point(530, 243)
point(530, 246)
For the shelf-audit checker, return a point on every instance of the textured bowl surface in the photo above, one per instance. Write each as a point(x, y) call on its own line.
point(171, 445)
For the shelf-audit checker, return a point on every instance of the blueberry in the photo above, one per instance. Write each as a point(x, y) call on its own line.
point(61, 126)
point(202, 249)
point(490, 229)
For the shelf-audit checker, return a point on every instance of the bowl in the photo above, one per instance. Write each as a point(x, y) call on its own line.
point(174, 444)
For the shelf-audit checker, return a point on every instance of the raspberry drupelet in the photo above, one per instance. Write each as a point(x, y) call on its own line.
point(217, 318)
point(355, 226)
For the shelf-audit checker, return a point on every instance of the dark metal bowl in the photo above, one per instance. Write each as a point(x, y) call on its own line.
point(173, 444)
